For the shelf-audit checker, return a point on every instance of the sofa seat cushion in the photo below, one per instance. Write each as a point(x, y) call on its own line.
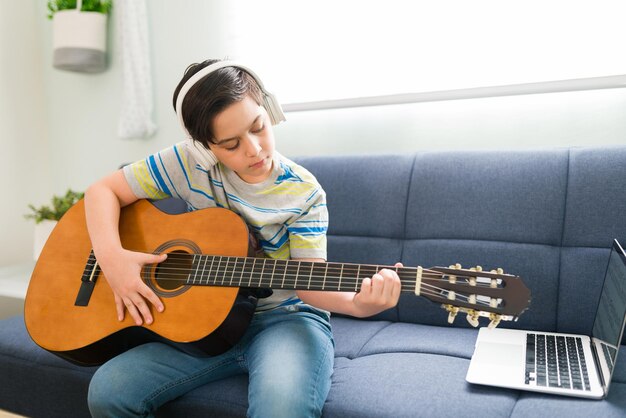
point(411, 385)
point(358, 338)
point(34, 380)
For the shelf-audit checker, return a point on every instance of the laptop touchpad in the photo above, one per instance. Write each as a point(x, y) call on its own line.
point(498, 354)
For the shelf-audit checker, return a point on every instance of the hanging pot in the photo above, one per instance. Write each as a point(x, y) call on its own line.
point(79, 40)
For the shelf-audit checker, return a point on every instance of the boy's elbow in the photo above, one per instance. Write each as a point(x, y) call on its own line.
point(114, 185)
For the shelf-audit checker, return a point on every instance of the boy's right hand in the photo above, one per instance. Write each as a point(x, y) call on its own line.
point(123, 273)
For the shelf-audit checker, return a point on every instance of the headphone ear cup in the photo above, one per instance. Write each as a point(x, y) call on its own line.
point(273, 108)
point(203, 156)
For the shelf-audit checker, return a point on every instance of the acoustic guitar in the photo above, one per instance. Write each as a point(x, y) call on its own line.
point(207, 285)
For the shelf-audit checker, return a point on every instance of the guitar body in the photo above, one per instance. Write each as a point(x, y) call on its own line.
point(70, 308)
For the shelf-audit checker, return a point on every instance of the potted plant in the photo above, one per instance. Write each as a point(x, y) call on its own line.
point(46, 217)
point(79, 34)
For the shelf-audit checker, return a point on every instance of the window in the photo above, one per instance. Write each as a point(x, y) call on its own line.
point(328, 50)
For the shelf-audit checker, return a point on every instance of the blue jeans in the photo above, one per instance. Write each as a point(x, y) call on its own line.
point(288, 354)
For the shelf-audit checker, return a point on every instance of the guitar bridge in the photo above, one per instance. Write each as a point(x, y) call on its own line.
point(88, 281)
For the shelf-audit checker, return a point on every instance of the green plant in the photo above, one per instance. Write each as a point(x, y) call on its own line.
point(60, 205)
point(100, 6)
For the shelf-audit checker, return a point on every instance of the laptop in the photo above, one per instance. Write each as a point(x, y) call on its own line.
point(563, 364)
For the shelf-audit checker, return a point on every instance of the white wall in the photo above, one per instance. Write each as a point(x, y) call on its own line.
point(66, 123)
point(24, 163)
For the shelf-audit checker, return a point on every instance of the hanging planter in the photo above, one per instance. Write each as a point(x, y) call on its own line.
point(79, 34)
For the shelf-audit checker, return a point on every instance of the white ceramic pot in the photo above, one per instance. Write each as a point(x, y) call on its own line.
point(42, 232)
point(79, 41)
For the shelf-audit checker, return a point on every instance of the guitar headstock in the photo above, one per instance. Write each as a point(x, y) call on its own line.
point(492, 294)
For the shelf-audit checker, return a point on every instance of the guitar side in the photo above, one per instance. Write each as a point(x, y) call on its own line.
point(91, 334)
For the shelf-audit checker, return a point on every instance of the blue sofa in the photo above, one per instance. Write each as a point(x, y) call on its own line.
point(546, 215)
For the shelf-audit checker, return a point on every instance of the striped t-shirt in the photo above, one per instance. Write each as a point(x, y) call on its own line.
point(286, 212)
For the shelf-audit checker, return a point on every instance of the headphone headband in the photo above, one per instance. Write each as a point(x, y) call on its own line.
point(269, 100)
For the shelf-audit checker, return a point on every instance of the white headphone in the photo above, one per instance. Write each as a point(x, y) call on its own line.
point(203, 155)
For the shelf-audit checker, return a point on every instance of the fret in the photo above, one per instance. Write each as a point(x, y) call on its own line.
point(289, 270)
point(273, 272)
point(251, 272)
point(297, 271)
point(208, 273)
point(193, 261)
point(358, 277)
point(243, 268)
point(262, 272)
point(280, 269)
point(318, 276)
point(255, 275)
point(233, 270)
point(290, 278)
point(282, 285)
point(349, 276)
point(217, 273)
point(235, 266)
point(333, 271)
point(225, 270)
point(305, 270)
point(340, 277)
point(204, 259)
point(325, 275)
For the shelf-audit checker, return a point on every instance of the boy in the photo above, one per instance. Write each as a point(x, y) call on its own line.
point(228, 161)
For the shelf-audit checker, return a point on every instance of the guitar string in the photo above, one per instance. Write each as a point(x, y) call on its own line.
point(260, 276)
point(187, 256)
point(320, 265)
point(347, 269)
point(437, 292)
point(425, 288)
point(327, 283)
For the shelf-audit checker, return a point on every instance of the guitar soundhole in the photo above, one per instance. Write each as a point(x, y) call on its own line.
point(173, 272)
point(170, 278)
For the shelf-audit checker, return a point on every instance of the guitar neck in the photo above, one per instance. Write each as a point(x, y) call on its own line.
point(209, 270)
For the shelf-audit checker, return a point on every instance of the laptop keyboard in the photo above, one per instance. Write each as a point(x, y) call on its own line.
point(556, 361)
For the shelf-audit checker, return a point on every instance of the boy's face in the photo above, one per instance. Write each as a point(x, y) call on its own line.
point(244, 140)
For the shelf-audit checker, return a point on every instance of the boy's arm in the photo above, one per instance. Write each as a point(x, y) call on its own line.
point(377, 294)
point(121, 267)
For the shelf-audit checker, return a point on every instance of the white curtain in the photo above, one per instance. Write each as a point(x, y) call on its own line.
point(134, 43)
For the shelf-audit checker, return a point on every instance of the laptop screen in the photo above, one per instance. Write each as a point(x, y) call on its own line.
point(610, 318)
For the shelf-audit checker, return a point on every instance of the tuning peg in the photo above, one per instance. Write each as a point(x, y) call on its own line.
point(472, 318)
point(453, 311)
point(495, 320)
point(452, 278)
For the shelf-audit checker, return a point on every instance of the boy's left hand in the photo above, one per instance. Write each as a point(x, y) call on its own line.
point(378, 293)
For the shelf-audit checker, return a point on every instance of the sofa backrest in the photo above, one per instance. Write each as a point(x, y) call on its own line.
point(548, 216)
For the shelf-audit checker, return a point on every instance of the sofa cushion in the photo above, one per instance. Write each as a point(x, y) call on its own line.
point(596, 197)
point(514, 196)
point(26, 369)
point(411, 385)
point(367, 195)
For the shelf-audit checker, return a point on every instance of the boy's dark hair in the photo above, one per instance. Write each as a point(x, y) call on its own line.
point(211, 95)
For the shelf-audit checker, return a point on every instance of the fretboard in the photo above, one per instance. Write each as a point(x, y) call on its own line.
point(208, 270)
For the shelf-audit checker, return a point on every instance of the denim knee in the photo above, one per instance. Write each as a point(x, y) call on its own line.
point(106, 396)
